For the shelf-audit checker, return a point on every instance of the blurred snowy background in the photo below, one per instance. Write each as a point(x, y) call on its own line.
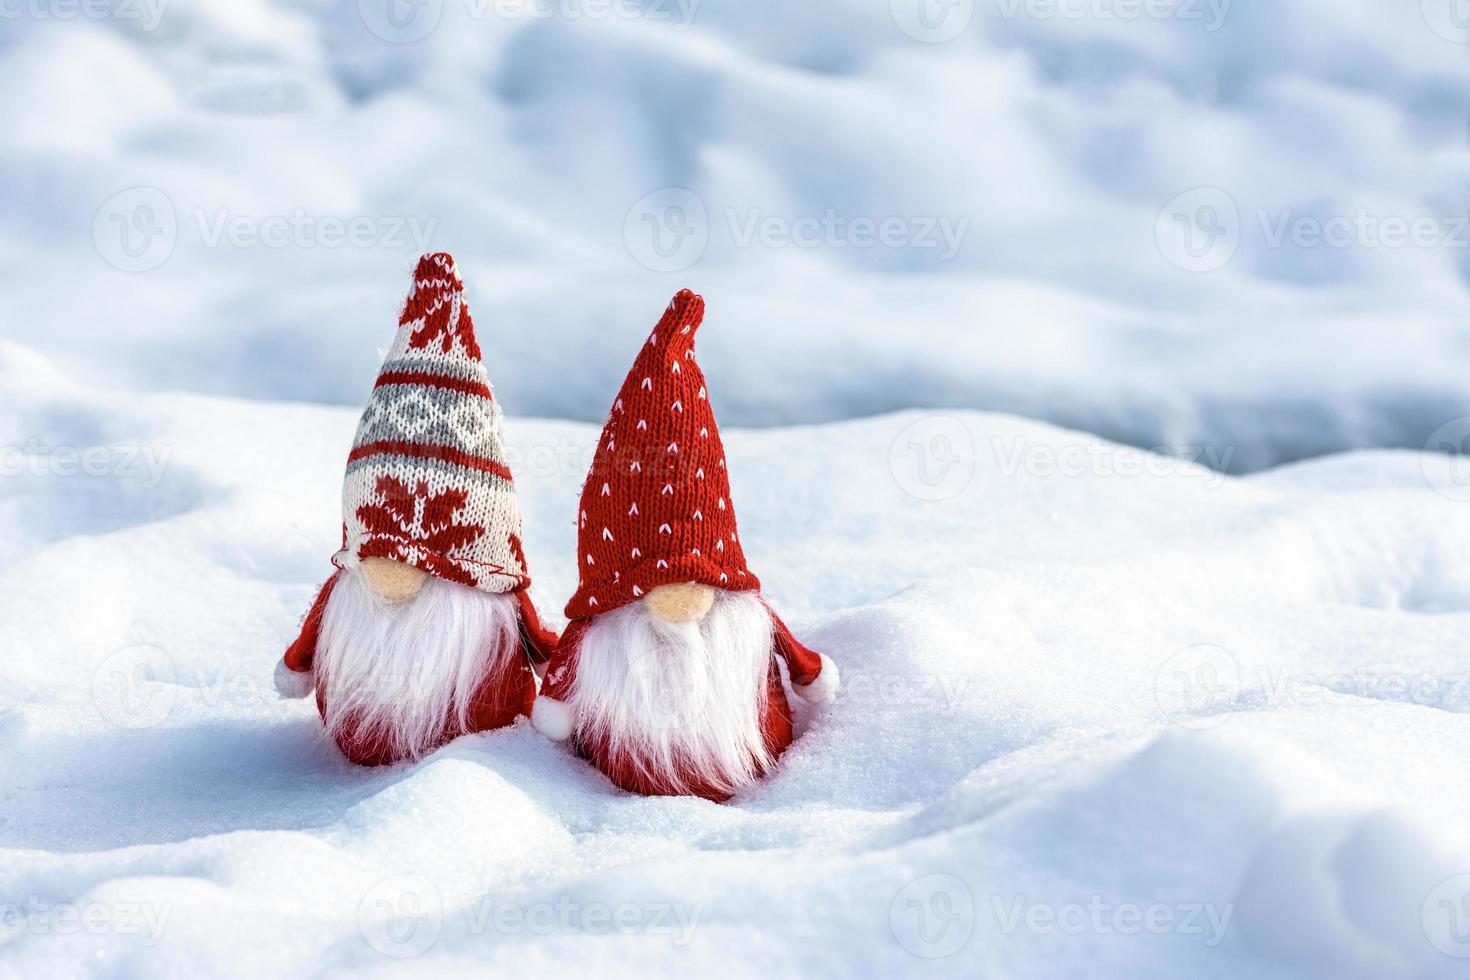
point(1192, 224)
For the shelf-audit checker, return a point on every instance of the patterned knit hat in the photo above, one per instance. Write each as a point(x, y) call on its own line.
point(427, 481)
point(656, 508)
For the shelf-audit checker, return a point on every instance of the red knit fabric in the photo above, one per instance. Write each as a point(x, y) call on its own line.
point(301, 654)
point(802, 663)
point(430, 308)
point(656, 507)
point(540, 642)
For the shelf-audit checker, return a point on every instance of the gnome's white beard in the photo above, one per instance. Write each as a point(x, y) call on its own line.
point(682, 703)
point(403, 671)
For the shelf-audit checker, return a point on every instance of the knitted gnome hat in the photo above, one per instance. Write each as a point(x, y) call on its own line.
point(427, 481)
point(656, 507)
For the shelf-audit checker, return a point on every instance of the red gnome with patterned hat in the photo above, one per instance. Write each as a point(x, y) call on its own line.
point(668, 677)
point(426, 631)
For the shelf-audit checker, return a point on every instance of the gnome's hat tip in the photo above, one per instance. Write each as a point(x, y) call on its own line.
point(435, 264)
point(683, 317)
point(436, 322)
point(687, 302)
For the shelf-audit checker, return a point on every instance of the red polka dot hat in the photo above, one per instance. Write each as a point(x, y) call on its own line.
point(656, 507)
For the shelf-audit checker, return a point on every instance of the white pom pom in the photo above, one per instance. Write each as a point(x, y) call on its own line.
point(552, 719)
point(824, 688)
point(294, 683)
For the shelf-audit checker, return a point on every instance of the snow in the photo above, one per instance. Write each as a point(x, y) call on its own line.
point(210, 195)
point(1103, 713)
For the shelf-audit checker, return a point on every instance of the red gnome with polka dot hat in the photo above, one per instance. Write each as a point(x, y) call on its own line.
point(427, 630)
point(668, 677)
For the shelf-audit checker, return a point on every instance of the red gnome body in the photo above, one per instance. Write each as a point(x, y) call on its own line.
point(668, 677)
point(426, 631)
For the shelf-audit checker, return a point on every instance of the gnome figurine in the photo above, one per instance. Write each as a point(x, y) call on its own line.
point(668, 678)
point(426, 631)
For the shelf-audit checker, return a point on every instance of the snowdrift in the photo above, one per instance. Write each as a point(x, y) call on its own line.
point(1104, 713)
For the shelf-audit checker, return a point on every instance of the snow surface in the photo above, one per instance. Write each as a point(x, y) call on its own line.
point(1058, 141)
point(1104, 714)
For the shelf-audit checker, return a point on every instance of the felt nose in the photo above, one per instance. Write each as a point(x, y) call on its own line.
point(393, 580)
point(686, 603)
